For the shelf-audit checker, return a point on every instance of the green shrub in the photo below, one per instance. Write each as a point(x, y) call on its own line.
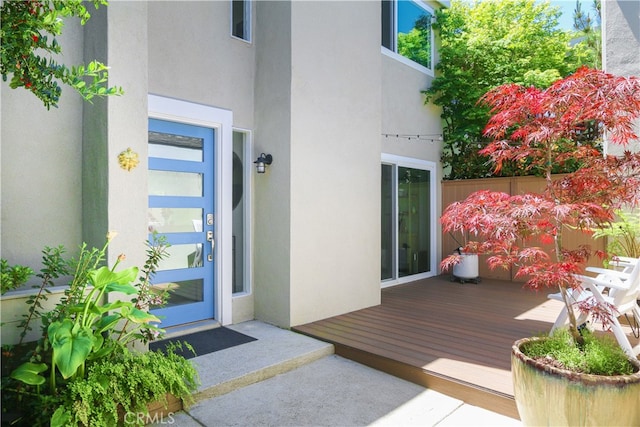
point(125, 384)
point(13, 276)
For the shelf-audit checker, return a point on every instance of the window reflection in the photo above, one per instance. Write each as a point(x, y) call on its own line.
point(414, 33)
point(182, 292)
point(182, 256)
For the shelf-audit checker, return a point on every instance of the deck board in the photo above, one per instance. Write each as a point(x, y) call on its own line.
point(451, 337)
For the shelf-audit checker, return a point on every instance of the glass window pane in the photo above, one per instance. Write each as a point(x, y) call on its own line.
point(414, 230)
point(240, 19)
point(177, 147)
point(387, 24)
point(387, 223)
point(239, 214)
point(175, 220)
point(182, 256)
point(184, 292)
point(414, 33)
point(169, 183)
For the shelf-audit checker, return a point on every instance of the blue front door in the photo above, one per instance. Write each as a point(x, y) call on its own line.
point(181, 202)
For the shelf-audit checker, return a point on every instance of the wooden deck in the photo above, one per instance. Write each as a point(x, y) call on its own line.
point(449, 337)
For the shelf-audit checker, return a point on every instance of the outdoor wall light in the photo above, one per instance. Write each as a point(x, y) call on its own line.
point(263, 160)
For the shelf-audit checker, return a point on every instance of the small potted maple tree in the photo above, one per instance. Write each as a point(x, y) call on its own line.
point(528, 126)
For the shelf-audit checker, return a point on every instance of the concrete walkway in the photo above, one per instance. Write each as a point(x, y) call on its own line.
point(288, 379)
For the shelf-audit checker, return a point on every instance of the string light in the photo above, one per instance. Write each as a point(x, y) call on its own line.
point(433, 137)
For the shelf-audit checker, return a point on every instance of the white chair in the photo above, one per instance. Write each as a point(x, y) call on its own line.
point(619, 289)
point(619, 265)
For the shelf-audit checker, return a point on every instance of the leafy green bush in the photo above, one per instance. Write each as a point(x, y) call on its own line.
point(600, 355)
point(125, 384)
point(13, 276)
point(83, 352)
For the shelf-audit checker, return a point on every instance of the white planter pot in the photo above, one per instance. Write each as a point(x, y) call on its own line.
point(467, 268)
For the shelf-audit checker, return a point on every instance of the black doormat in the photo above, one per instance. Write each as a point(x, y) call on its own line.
point(205, 342)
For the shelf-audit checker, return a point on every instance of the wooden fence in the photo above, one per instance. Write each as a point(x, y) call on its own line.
point(457, 190)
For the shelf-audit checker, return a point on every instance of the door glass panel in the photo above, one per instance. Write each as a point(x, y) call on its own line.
point(182, 256)
point(176, 147)
point(414, 230)
point(169, 183)
point(181, 292)
point(387, 223)
point(175, 220)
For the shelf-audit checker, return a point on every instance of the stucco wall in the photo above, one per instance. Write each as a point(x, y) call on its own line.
point(621, 34)
point(621, 46)
point(61, 180)
point(193, 57)
point(272, 191)
point(115, 199)
point(41, 192)
point(335, 158)
point(40, 167)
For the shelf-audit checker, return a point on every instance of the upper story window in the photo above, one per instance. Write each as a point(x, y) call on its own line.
point(241, 19)
point(406, 30)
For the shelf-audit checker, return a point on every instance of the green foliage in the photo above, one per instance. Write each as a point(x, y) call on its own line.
point(84, 326)
point(598, 355)
point(53, 267)
point(125, 384)
point(13, 276)
point(29, 373)
point(623, 235)
point(92, 326)
point(589, 46)
point(481, 49)
point(28, 46)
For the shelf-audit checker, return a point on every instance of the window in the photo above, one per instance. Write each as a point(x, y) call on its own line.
point(240, 245)
point(241, 19)
point(408, 225)
point(406, 31)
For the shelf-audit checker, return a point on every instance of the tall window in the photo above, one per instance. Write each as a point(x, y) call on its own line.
point(406, 30)
point(240, 191)
point(241, 19)
point(408, 232)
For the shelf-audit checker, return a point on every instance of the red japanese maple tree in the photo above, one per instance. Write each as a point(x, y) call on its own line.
point(529, 126)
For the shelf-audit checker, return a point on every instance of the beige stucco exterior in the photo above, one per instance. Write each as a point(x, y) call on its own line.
point(621, 47)
point(335, 164)
point(310, 88)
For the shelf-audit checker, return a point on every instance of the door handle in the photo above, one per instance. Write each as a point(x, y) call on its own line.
point(213, 245)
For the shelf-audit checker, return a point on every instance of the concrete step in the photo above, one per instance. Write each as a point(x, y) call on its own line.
point(274, 352)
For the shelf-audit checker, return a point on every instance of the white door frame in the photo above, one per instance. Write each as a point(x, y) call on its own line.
point(221, 120)
point(392, 159)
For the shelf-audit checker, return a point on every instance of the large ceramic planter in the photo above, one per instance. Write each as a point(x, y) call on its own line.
point(556, 397)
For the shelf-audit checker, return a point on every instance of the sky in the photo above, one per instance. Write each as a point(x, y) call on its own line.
point(567, 7)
